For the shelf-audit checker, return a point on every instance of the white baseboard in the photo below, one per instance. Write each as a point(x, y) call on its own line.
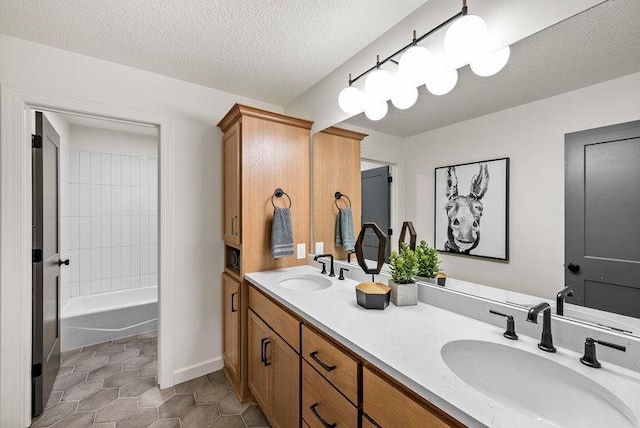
point(202, 368)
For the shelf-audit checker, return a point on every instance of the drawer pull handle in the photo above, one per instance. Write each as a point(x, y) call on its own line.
point(263, 351)
point(314, 355)
point(233, 301)
point(326, 424)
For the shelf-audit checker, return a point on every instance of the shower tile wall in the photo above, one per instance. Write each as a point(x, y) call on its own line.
point(109, 222)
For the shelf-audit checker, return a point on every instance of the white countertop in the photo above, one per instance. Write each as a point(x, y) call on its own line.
point(405, 342)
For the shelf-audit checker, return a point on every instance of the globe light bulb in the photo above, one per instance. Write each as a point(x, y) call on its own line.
point(415, 65)
point(464, 39)
point(379, 85)
point(376, 109)
point(405, 94)
point(443, 83)
point(490, 64)
point(351, 100)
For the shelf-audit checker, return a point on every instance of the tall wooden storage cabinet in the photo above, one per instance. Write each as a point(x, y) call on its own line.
point(262, 151)
point(336, 168)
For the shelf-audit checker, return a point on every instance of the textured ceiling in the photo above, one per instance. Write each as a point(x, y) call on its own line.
point(599, 44)
point(268, 50)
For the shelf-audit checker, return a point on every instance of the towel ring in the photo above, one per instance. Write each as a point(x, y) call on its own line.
point(339, 195)
point(278, 194)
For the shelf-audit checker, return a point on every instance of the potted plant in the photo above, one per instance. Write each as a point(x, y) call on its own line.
point(404, 268)
point(428, 262)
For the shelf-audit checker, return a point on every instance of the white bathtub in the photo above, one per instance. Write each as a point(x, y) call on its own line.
point(86, 320)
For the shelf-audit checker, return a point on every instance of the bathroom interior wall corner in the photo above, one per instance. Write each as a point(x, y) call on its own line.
point(197, 179)
point(532, 135)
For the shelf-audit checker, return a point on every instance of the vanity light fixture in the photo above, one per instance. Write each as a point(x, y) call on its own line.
point(467, 41)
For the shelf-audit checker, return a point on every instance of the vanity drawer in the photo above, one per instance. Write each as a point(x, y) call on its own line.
point(390, 407)
point(335, 365)
point(280, 321)
point(322, 402)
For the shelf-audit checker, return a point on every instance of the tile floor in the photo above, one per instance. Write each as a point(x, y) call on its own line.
point(113, 385)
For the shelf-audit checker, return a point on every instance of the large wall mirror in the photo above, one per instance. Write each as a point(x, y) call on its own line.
point(567, 81)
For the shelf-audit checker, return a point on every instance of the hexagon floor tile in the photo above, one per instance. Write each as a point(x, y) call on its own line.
point(113, 385)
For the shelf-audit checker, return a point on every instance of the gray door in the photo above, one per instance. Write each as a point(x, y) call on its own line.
point(602, 201)
point(46, 268)
point(376, 209)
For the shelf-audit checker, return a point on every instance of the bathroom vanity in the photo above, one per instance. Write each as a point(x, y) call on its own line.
point(316, 355)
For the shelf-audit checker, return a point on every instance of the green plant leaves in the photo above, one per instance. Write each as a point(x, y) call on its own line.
point(428, 262)
point(404, 265)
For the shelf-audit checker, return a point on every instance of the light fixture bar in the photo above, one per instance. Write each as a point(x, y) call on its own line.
point(415, 40)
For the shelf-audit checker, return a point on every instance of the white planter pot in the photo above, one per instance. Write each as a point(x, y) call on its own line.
point(404, 294)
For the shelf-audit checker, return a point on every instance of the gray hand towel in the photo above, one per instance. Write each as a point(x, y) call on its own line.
point(345, 235)
point(281, 233)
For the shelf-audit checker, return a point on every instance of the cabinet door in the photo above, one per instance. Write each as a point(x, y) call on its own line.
point(259, 361)
point(232, 220)
point(231, 323)
point(284, 395)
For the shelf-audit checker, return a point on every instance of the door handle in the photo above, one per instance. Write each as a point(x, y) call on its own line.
point(326, 424)
point(233, 225)
point(263, 351)
point(328, 368)
point(63, 262)
point(233, 301)
point(575, 268)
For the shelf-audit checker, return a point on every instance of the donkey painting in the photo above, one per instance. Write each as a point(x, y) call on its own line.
point(464, 212)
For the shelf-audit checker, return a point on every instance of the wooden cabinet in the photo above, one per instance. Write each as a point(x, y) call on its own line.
point(334, 386)
point(259, 334)
point(340, 369)
point(390, 406)
point(231, 324)
point(284, 395)
point(232, 225)
point(262, 151)
point(322, 404)
point(273, 365)
point(336, 168)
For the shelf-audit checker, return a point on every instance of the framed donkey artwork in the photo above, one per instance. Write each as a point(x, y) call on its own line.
point(472, 209)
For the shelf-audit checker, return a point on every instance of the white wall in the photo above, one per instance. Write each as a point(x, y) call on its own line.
point(100, 140)
point(197, 182)
point(108, 210)
point(109, 223)
point(532, 135)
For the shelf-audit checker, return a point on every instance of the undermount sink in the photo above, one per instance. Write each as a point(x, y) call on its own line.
point(552, 393)
point(304, 282)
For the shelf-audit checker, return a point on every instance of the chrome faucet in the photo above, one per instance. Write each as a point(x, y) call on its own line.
point(562, 294)
point(546, 343)
point(331, 269)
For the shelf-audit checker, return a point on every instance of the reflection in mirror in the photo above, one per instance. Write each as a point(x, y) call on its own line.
point(407, 227)
point(376, 204)
point(532, 106)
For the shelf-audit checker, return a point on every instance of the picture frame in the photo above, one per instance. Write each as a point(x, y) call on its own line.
point(471, 209)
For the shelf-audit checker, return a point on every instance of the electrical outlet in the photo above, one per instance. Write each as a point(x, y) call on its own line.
point(302, 251)
point(319, 247)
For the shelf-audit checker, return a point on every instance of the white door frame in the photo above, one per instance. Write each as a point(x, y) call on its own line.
point(15, 239)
